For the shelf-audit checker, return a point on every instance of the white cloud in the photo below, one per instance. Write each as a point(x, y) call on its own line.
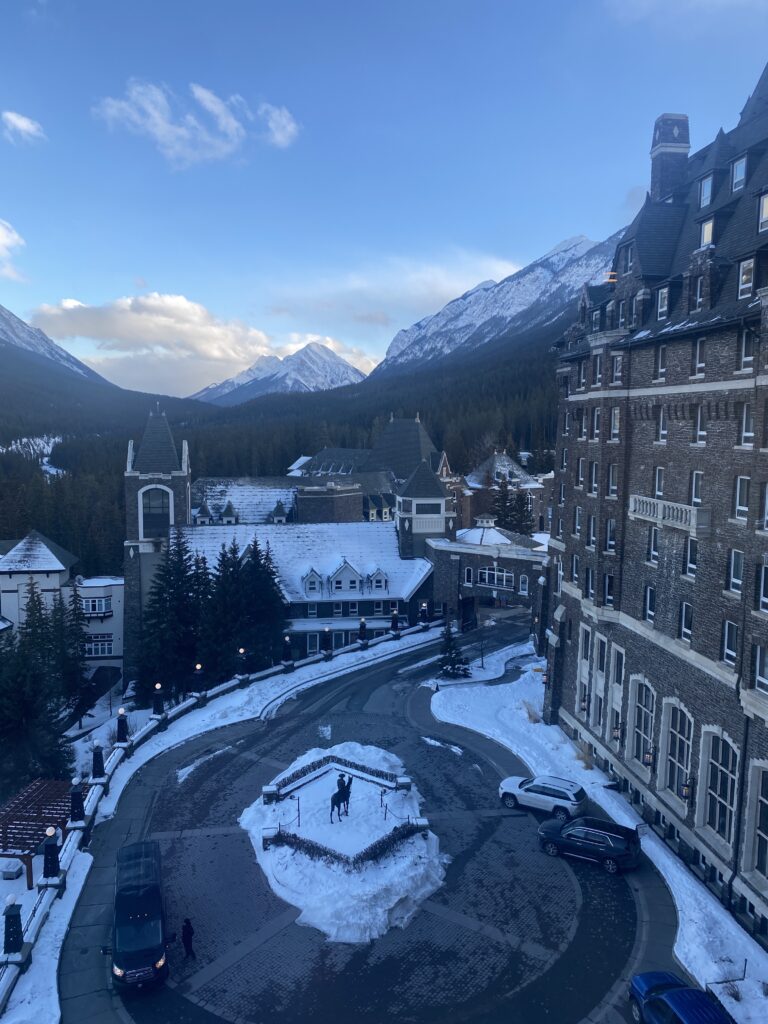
point(18, 128)
point(10, 239)
point(210, 129)
point(282, 129)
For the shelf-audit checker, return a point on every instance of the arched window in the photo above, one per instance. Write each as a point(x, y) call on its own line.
point(156, 512)
point(721, 787)
point(468, 574)
point(523, 586)
point(643, 733)
point(679, 732)
point(491, 576)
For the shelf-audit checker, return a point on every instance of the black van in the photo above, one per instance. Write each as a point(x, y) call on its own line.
point(139, 938)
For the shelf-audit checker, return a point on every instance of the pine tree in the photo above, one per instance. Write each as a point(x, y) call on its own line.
point(502, 505)
point(77, 682)
point(265, 623)
point(452, 661)
point(521, 519)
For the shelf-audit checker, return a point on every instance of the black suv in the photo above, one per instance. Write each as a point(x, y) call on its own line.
point(613, 846)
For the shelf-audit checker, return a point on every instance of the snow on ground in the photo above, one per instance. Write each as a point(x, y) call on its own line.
point(104, 734)
point(35, 998)
point(449, 746)
point(495, 665)
point(710, 944)
point(18, 886)
point(348, 904)
point(182, 774)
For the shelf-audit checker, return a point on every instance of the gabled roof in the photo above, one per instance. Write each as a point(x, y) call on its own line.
point(400, 447)
point(157, 452)
point(36, 553)
point(499, 462)
point(229, 512)
point(423, 483)
point(204, 512)
point(655, 232)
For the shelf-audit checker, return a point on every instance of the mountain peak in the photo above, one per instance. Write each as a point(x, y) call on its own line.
point(14, 331)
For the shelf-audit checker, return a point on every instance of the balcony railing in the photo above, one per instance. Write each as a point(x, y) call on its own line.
point(105, 613)
point(692, 518)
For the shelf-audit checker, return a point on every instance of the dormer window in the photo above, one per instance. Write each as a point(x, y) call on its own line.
point(627, 259)
point(746, 278)
point(597, 370)
point(708, 231)
point(660, 363)
point(596, 320)
point(582, 373)
point(312, 586)
point(338, 584)
point(738, 174)
point(662, 303)
point(633, 312)
point(698, 292)
point(762, 224)
point(705, 191)
point(622, 313)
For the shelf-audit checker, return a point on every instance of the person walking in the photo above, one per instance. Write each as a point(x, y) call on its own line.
point(187, 932)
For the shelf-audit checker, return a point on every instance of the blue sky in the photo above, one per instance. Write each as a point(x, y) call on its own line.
point(187, 184)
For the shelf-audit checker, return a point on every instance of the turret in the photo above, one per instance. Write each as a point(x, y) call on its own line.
point(669, 154)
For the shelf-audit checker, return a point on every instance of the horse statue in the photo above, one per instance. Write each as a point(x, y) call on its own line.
point(341, 797)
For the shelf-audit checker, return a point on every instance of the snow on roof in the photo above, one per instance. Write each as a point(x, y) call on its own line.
point(295, 466)
point(298, 548)
point(101, 581)
point(31, 555)
point(494, 468)
point(253, 499)
point(482, 535)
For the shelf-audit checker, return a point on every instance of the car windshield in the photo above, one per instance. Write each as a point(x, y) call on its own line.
point(525, 783)
point(134, 936)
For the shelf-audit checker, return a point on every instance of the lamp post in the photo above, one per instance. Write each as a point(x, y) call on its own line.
point(325, 641)
point(157, 701)
point(362, 634)
point(76, 804)
point(649, 758)
point(241, 662)
point(688, 790)
point(287, 658)
point(51, 867)
point(394, 626)
point(122, 726)
point(424, 615)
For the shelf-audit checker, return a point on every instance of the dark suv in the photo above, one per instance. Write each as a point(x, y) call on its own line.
point(613, 846)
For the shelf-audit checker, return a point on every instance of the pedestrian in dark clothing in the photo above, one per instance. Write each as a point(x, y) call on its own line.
point(187, 931)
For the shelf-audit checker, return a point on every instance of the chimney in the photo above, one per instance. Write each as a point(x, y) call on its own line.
point(669, 154)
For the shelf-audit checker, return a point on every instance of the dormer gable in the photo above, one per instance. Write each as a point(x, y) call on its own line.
point(345, 578)
point(378, 580)
point(313, 582)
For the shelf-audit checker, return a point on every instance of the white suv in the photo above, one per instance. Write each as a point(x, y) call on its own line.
point(560, 797)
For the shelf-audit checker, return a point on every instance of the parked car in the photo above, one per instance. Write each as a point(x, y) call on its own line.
point(660, 997)
point(614, 846)
point(560, 797)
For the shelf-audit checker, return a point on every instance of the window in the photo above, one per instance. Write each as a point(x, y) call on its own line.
point(96, 605)
point(761, 668)
point(98, 645)
point(559, 575)
point(686, 621)
point(658, 482)
point(597, 370)
point(763, 219)
point(610, 534)
point(653, 545)
point(311, 611)
point(575, 569)
point(765, 508)
point(697, 480)
point(468, 574)
point(595, 423)
point(738, 173)
point(378, 607)
point(353, 584)
point(699, 351)
point(582, 415)
point(312, 585)
point(721, 787)
point(313, 643)
point(608, 590)
point(746, 350)
point(617, 676)
point(622, 318)
point(560, 529)
point(678, 749)
point(523, 586)
point(338, 584)
point(730, 642)
point(567, 423)
point(661, 424)
point(633, 311)
point(577, 514)
point(627, 258)
point(746, 278)
point(586, 639)
point(352, 609)
point(602, 654)
point(705, 191)
point(582, 373)
point(736, 571)
point(649, 609)
point(662, 303)
point(707, 232)
point(698, 292)
point(660, 363)
point(700, 428)
point(591, 531)
point(156, 512)
point(691, 557)
point(593, 477)
point(378, 583)
point(747, 426)
point(596, 320)
point(643, 730)
point(761, 825)
point(337, 609)
point(392, 607)
point(741, 498)
point(428, 508)
point(564, 459)
point(580, 464)
point(561, 500)
point(615, 422)
point(613, 479)
point(616, 368)
point(762, 593)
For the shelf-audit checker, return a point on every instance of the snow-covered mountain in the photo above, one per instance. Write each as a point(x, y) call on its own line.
point(313, 368)
point(14, 331)
point(537, 294)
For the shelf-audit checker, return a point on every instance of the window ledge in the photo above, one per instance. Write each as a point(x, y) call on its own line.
point(660, 444)
point(762, 532)
point(687, 577)
point(735, 521)
point(594, 440)
point(743, 447)
point(734, 595)
point(613, 440)
point(615, 384)
point(760, 614)
point(609, 554)
point(696, 376)
point(698, 444)
point(746, 371)
point(659, 380)
point(611, 497)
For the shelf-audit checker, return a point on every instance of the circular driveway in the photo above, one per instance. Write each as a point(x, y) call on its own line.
point(511, 935)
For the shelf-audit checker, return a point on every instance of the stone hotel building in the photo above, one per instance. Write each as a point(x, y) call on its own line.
point(658, 616)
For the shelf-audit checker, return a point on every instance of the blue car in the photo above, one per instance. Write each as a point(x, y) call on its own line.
point(660, 997)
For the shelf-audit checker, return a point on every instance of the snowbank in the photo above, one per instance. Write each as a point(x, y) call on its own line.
point(710, 944)
point(347, 904)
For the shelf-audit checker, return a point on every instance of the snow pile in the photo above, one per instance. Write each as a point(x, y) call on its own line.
point(494, 666)
point(448, 746)
point(347, 904)
point(710, 944)
point(182, 774)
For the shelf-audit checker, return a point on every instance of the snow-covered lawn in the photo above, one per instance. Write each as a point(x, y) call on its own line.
point(348, 904)
point(710, 943)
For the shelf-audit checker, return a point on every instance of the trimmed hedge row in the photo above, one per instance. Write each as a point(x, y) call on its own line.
point(378, 849)
point(307, 769)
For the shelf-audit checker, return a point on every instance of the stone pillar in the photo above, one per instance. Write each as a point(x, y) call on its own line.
point(76, 804)
point(122, 726)
point(97, 768)
point(14, 936)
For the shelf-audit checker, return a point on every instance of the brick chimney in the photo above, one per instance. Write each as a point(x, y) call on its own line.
point(669, 154)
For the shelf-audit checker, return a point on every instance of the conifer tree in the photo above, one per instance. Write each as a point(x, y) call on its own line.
point(452, 661)
point(502, 505)
point(265, 623)
point(521, 519)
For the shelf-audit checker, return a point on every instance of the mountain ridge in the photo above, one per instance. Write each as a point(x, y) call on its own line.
point(15, 331)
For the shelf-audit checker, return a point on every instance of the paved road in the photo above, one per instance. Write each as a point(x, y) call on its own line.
point(511, 936)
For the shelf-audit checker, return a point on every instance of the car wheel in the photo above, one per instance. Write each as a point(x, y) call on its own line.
point(551, 849)
point(611, 866)
point(560, 814)
point(509, 800)
point(635, 1011)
